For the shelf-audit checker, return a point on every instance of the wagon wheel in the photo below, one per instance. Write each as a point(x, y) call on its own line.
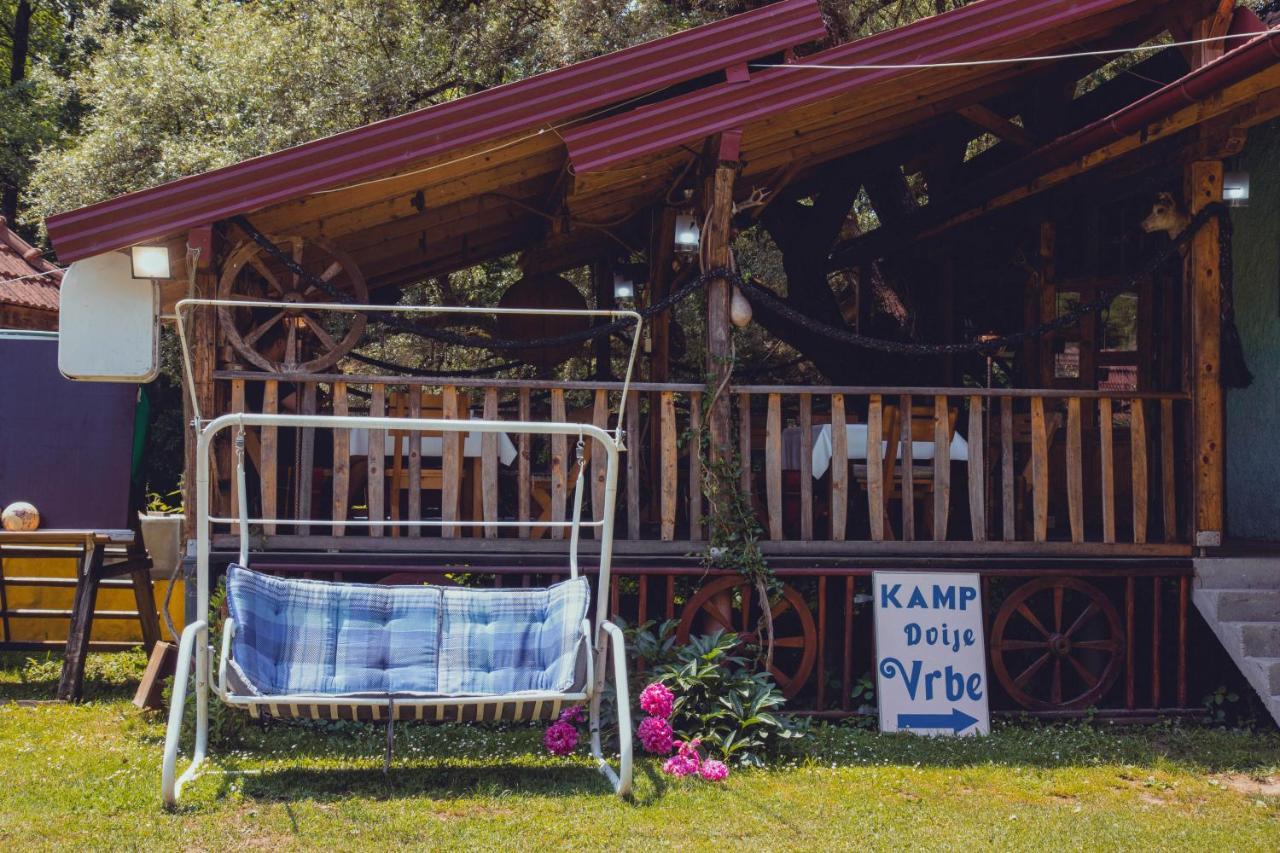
point(294, 339)
point(1057, 644)
point(731, 604)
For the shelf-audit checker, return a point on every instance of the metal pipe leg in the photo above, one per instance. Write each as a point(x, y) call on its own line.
point(611, 636)
point(194, 642)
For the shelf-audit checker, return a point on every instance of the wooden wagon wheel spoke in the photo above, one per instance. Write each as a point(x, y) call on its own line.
point(291, 345)
point(1026, 613)
point(320, 332)
point(1096, 658)
point(1019, 645)
point(1084, 617)
point(297, 259)
point(728, 600)
point(330, 271)
point(268, 276)
point(1097, 645)
point(1035, 667)
point(262, 328)
point(1083, 671)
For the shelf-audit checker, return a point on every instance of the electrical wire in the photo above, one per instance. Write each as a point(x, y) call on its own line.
point(1014, 60)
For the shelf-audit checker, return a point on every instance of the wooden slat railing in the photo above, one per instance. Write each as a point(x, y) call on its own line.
point(1026, 469)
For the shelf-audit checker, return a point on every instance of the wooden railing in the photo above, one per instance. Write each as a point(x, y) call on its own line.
point(1014, 470)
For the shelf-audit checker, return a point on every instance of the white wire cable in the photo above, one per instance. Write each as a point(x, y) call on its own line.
point(33, 275)
point(1013, 60)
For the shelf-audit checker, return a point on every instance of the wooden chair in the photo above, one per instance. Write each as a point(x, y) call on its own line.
point(430, 479)
point(921, 429)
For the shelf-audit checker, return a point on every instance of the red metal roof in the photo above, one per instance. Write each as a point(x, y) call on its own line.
point(981, 29)
point(399, 143)
point(19, 259)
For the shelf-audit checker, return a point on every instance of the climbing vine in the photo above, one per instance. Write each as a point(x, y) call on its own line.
point(732, 527)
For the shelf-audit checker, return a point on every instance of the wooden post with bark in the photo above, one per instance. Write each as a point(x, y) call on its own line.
point(718, 199)
point(1204, 186)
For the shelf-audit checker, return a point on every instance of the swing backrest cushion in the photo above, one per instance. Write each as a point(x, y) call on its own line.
point(298, 636)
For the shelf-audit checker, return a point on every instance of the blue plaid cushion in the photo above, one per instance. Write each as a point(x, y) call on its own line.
point(313, 637)
point(303, 636)
point(495, 641)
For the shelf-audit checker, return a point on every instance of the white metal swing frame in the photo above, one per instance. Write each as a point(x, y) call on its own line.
point(605, 643)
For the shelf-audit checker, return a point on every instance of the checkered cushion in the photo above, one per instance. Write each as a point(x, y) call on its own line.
point(495, 641)
point(334, 639)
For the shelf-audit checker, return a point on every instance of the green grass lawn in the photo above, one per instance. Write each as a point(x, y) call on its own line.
point(88, 776)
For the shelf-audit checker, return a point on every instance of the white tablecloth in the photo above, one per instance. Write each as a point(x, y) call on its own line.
point(856, 439)
point(433, 445)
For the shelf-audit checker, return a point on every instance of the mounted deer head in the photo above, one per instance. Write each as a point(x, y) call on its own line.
point(1167, 215)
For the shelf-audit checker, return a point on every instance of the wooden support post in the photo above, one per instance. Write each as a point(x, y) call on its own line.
point(718, 200)
point(1204, 186)
point(203, 341)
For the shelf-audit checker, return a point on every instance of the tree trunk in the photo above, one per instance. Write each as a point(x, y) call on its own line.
point(21, 46)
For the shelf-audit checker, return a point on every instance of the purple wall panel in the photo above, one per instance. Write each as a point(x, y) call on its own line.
point(64, 446)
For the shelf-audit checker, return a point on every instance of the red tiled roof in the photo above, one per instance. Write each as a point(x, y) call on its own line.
point(19, 259)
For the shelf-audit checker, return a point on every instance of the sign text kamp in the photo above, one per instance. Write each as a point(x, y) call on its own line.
point(930, 655)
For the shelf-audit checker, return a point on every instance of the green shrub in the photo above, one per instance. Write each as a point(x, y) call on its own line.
point(720, 700)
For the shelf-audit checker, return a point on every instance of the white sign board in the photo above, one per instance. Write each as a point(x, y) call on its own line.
point(931, 673)
point(107, 322)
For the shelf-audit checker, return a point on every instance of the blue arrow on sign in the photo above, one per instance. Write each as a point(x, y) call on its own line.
point(957, 721)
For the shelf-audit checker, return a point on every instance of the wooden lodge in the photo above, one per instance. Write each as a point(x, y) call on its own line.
point(1079, 470)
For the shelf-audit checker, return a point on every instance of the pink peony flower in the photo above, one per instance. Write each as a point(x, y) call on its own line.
point(658, 700)
point(560, 738)
point(680, 766)
point(656, 735)
point(713, 770)
point(572, 715)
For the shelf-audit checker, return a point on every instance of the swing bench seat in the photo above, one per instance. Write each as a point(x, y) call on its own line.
point(322, 650)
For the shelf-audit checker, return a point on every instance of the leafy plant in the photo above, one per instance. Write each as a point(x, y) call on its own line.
point(1218, 704)
point(720, 700)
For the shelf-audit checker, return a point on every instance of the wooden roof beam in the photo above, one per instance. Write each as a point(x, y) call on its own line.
point(1251, 101)
point(1006, 130)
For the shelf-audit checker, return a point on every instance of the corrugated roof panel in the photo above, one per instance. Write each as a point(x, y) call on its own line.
point(993, 27)
point(398, 143)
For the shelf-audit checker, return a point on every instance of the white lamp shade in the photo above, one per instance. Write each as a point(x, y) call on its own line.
point(687, 234)
point(150, 261)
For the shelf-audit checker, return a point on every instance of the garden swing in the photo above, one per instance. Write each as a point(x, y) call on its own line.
point(308, 649)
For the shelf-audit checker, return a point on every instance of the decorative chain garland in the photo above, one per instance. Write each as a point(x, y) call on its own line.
point(1235, 373)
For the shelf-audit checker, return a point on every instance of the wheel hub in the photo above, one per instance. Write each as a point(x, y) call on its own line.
point(1060, 645)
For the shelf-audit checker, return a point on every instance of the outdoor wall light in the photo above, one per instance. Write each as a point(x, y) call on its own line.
point(687, 234)
point(150, 261)
point(1235, 189)
point(627, 279)
point(623, 286)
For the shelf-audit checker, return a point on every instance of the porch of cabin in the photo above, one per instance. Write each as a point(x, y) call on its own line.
point(1077, 469)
